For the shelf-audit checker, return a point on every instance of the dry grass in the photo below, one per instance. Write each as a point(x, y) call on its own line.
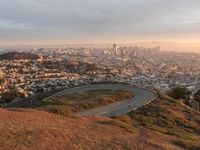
point(70, 103)
point(164, 124)
point(171, 117)
point(29, 129)
point(117, 123)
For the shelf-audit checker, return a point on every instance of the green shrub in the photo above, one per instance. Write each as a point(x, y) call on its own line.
point(179, 92)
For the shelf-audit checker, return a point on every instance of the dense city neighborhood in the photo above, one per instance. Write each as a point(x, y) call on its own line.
point(26, 73)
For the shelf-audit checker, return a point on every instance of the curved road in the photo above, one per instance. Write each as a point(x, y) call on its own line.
point(141, 98)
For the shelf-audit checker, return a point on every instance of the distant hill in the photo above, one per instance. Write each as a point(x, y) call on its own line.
point(18, 56)
point(163, 124)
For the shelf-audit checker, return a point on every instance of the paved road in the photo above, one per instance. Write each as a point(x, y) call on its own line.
point(141, 97)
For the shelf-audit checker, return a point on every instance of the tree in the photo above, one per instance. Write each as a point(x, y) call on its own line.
point(8, 96)
point(180, 92)
point(197, 96)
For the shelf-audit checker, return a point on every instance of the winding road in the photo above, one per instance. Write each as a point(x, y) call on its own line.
point(141, 98)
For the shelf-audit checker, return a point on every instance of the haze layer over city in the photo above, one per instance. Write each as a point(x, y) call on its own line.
point(100, 74)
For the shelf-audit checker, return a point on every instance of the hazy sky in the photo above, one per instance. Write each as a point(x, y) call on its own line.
point(58, 21)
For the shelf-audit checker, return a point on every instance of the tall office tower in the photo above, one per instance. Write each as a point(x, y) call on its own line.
point(114, 46)
point(115, 49)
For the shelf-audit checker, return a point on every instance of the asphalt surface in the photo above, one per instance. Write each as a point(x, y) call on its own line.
point(141, 98)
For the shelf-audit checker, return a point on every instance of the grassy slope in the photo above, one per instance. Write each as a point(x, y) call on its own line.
point(163, 124)
point(69, 103)
point(172, 118)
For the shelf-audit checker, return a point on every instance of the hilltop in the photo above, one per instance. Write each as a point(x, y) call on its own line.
point(162, 124)
point(18, 56)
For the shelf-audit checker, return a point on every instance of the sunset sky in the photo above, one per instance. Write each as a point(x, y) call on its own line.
point(99, 21)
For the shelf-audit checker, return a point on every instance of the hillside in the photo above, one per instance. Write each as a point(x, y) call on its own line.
point(18, 56)
point(169, 117)
point(163, 124)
